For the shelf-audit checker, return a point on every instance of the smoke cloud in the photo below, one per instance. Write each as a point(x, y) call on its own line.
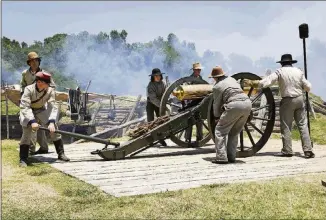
point(115, 68)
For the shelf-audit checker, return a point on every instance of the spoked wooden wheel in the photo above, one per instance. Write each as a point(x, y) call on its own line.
point(260, 123)
point(174, 104)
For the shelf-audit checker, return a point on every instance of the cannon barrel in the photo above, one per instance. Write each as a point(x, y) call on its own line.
point(75, 135)
point(186, 92)
point(190, 92)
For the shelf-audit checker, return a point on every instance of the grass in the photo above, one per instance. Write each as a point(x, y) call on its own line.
point(42, 192)
point(317, 129)
point(12, 108)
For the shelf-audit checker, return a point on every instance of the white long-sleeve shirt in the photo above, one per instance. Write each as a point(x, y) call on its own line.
point(291, 81)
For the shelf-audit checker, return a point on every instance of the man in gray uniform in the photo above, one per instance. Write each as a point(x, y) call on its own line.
point(37, 106)
point(232, 108)
point(28, 78)
point(196, 67)
point(155, 90)
point(291, 82)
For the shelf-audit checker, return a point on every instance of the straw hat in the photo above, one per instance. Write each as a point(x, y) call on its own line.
point(32, 56)
point(197, 66)
point(216, 72)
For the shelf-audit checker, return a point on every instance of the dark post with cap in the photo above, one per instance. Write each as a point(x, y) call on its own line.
point(304, 33)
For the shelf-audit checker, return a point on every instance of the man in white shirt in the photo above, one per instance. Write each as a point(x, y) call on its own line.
point(291, 82)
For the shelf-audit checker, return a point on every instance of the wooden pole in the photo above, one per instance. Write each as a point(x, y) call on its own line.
point(7, 116)
point(130, 115)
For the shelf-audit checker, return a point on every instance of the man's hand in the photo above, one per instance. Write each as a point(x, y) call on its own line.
point(51, 128)
point(35, 126)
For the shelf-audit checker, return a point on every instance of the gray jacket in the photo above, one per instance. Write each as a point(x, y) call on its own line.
point(225, 91)
point(155, 92)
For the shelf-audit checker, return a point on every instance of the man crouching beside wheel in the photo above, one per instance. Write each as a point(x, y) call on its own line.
point(37, 107)
point(232, 108)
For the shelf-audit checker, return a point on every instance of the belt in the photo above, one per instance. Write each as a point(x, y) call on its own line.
point(236, 97)
point(38, 110)
point(285, 97)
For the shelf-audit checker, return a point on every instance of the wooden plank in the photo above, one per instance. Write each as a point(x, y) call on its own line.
point(145, 174)
point(131, 114)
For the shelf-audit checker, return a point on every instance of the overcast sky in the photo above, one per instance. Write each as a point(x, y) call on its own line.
point(253, 29)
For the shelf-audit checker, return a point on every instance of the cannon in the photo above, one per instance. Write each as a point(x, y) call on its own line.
point(182, 107)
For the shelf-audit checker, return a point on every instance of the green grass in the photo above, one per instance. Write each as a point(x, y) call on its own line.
point(316, 98)
point(317, 129)
point(12, 108)
point(42, 192)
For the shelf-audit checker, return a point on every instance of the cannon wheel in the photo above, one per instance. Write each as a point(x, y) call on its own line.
point(179, 137)
point(258, 136)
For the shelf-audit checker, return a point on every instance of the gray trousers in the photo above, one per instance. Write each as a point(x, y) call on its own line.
point(41, 139)
point(30, 136)
point(228, 128)
point(289, 108)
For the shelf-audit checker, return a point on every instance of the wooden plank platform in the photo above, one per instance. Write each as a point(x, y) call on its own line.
point(160, 169)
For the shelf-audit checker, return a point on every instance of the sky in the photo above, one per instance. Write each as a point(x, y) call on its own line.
point(251, 29)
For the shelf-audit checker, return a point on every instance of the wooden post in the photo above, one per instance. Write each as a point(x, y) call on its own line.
point(59, 111)
point(92, 122)
point(130, 115)
point(311, 108)
point(7, 116)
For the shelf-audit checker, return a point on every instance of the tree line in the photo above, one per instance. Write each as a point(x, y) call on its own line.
point(55, 50)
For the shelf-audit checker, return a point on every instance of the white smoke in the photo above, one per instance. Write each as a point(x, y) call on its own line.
point(121, 70)
point(9, 74)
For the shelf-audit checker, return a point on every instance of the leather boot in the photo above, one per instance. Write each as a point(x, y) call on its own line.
point(60, 151)
point(41, 151)
point(163, 143)
point(23, 155)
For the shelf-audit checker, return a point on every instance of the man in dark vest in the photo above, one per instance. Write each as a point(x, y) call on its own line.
point(155, 90)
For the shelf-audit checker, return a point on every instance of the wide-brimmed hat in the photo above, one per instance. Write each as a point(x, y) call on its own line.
point(156, 71)
point(287, 58)
point(216, 72)
point(197, 66)
point(32, 56)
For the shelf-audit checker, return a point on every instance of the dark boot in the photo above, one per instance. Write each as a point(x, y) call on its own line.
point(41, 151)
point(220, 161)
point(60, 151)
point(283, 155)
point(23, 155)
point(309, 154)
point(163, 143)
